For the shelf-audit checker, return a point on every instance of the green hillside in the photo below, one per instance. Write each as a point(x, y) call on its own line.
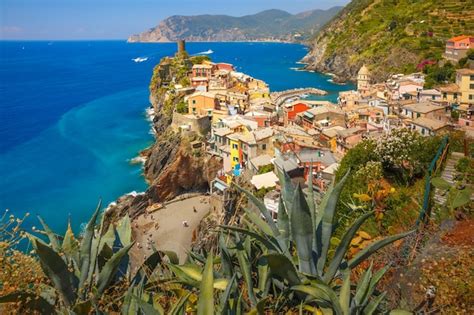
point(389, 35)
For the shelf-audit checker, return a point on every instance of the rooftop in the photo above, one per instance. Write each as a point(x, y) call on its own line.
point(422, 107)
point(459, 38)
point(261, 160)
point(452, 87)
point(465, 71)
point(266, 180)
point(429, 123)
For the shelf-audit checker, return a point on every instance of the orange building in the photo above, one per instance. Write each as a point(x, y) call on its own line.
point(202, 103)
point(291, 110)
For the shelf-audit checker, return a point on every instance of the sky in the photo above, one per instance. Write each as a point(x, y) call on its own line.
point(117, 19)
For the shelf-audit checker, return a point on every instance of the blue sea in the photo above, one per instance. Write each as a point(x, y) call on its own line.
point(72, 115)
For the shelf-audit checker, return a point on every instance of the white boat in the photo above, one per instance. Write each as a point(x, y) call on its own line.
point(140, 59)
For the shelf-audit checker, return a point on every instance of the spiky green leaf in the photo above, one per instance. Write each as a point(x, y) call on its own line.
point(206, 295)
point(110, 268)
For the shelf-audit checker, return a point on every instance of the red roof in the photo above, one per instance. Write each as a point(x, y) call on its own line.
point(460, 38)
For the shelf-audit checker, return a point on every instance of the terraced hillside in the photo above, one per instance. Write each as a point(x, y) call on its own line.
point(388, 35)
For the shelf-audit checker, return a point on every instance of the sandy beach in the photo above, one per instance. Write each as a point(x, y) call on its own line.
point(164, 228)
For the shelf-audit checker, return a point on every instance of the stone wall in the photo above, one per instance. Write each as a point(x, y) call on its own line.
point(200, 125)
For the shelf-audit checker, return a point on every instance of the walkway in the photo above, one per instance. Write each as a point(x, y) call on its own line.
point(448, 175)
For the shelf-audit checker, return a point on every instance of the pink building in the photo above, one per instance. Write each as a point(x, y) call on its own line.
point(457, 47)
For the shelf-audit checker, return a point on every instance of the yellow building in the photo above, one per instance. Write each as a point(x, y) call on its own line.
point(234, 144)
point(465, 81)
point(461, 92)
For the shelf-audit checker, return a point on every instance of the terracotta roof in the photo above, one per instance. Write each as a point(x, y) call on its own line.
point(458, 38)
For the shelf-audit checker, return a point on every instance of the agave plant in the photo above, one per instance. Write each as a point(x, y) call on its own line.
point(80, 271)
point(304, 229)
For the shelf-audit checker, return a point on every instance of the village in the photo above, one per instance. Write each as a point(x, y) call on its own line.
point(256, 132)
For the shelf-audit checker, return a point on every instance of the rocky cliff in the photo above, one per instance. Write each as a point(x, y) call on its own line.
point(270, 25)
point(389, 36)
point(171, 167)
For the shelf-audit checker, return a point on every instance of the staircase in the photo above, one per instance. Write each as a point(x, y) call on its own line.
point(448, 175)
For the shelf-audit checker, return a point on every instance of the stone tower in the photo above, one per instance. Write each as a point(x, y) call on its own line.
point(363, 79)
point(181, 46)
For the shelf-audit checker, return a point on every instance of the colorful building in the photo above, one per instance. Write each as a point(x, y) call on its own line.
point(457, 47)
point(291, 110)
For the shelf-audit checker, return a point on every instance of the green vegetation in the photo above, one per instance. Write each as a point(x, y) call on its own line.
point(266, 168)
point(182, 107)
point(263, 266)
point(436, 75)
point(395, 36)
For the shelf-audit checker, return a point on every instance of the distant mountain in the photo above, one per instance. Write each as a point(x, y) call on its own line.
point(390, 36)
point(270, 25)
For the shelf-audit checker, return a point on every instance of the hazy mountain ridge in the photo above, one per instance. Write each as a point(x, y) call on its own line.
point(269, 25)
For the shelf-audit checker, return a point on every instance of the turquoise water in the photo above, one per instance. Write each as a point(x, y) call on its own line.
point(72, 116)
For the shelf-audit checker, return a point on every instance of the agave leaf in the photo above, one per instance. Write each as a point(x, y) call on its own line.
point(30, 301)
point(110, 269)
point(86, 248)
point(146, 308)
point(226, 295)
point(246, 271)
point(283, 221)
point(461, 198)
point(440, 183)
point(325, 227)
point(372, 306)
point(206, 295)
point(124, 230)
point(302, 232)
point(372, 248)
point(150, 264)
point(310, 196)
point(281, 266)
point(345, 294)
point(263, 273)
point(70, 245)
point(180, 306)
point(375, 280)
point(56, 270)
point(288, 189)
point(226, 261)
point(172, 256)
point(53, 238)
point(321, 291)
point(255, 219)
point(270, 242)
point(363, 287)
point(343, 246)
point(263, 209)
point(192, 275)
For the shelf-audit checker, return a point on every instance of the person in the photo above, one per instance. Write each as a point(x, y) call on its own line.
point(194, 209)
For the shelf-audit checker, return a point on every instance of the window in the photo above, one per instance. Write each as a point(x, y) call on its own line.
point(471, 97)
point(471, 77)
point(445, 95)
point(194, 101)
point(471, 86)
point(467, 123)
point(423, 131)
point(264, 146)
point(235, 159)
point(455, 96)
point(235, 146)
point(418, 115)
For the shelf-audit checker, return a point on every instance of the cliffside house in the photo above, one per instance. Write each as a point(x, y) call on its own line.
point(202, 103)
point(225, 66)
point(428, 127)
point(425, 110)
point(290, 110)
point(461, 92)
point(201, 74)
point(457, 47)
point(220, 80)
